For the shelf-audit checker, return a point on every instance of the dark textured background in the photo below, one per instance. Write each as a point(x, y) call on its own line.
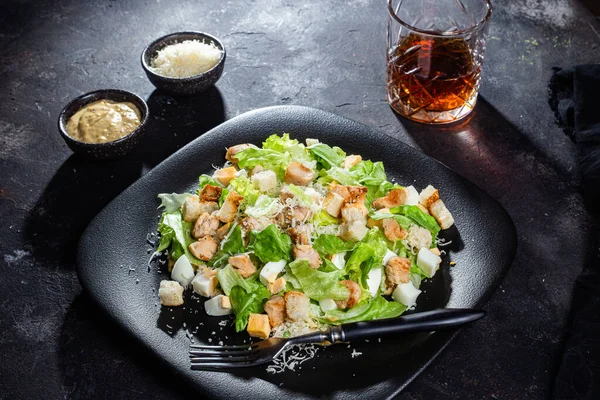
point(54, 343)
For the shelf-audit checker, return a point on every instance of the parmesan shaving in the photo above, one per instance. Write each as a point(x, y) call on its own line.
point(185, 59)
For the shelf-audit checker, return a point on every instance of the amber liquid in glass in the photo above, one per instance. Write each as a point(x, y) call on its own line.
point(431, 74)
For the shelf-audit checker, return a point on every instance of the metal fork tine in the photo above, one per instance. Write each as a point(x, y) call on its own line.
point(232, 347)
point(236, 359)
point(218, 365)
point(222, 353)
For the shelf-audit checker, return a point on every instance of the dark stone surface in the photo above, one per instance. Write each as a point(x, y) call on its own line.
point(329, 55)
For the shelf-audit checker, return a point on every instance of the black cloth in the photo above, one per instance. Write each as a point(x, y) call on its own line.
point(575, 98)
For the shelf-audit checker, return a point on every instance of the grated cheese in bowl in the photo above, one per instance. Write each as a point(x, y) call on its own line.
point(186, 59)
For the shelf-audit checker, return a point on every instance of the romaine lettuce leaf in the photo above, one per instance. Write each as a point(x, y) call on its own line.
point(231, 245)
point(204, 180)
point(283, 144)
point(327, 245)
point(419, 217)
point(271, 245)
point(365, 310)
point(244, 303)
point(228, 278)
point(178, 236)
point(172, 202)
point(367, 254)
point(327, 156)
point(323, 218)
point(264, 206)
point(245, 188)
point(316, 284)
point(269, 159)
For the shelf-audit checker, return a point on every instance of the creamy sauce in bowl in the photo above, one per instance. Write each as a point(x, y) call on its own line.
point(104, 121)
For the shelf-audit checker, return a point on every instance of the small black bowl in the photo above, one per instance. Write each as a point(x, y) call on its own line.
point(99, 151)
point(183, 86)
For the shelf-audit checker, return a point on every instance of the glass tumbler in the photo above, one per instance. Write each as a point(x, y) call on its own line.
point(435, 51)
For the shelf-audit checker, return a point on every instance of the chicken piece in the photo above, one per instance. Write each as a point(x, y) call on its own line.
point(294, 215)
point(301, 234)
point(265, 181)
point(275, 309)
point(297, 306)
point(255, 224)
point(358, 194)
point(223, 231)
point(225, 175)
point(204, 249)
point(353, 297)
point(333, 204)
point(395, 198)
point(340, 190)
point(211, 193)
point(418, 238)
point(233, 150)
point(354, 231)
point(352, 212)
point(306, 252)
point(258, 326)
point(285, 194)
point(190, 209)
point(397, 270)
point(441, 214)
point(392, 230)
point(351, 160)
point(208, 207)
point(206, 225)
point(428, 196)
point(170, 293)
point(230, 206)
point(243, 265)
point(277, 286)
point(298, 174)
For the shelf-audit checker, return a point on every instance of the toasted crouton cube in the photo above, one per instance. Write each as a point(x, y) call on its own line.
point(204, 249)
point(297, 306)
point(392, 230)
point(265, 181)
point(190, 209)
point(277, 286)
point(211, 193)
point(298, 174)
point(333, 204)
point(397, 270)
point(258, 326)
point(441, 214)
point(206, 225)
point(243, 265)
point(354, 231)
point(306, 252)
point(352, 212)
point(358, 194)
point(205, 283)
point(351, 160)
point(428, 196)
point(170, 293)
point(275, 309)
point(353, 296)
point(301, 234)
point(225, 175)
point(396, 197)
point(230, 206)
point(233, 150)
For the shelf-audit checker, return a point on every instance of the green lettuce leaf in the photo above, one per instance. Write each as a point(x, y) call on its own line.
point(327, 156)
point(244, 303)
point(267, 158)
point(228, 278)
point(316, 284)
point(290, 147)
point(204, 180)
point(271, 245)
point(264, 206)
point(419, 217)
point(365, 310)
point(179, 236)
point(367, 254)
point(298, 192)
point(172, 202)
point(245, 188)
point(329, 244)
point(323, 218)
point(231, 245)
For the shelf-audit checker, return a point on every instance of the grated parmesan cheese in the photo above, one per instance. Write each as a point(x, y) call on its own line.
point(185, 59)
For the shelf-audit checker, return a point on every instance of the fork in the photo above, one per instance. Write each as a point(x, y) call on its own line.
point(264, 351)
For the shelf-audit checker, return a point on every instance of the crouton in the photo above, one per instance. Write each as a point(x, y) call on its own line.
point(242, 264)
point(298, 174)
point(396, 197)
point(225, 175)
point(275, 309)
point(222, 231)
point(428, 196)
point(333, 204)
point(233, 150)
point(277, 286)
point(211, 193)
point(441, 214)
point(255, 224)
point(392, 230)
point(230, 206)
point(418, 237)
point(352, 212)
point(205, 283)
point(297, 306)
point(358, 194)
point(264, 181)
point(397, 270)
point(204, 249)
point(170, 293)
point(301, 234)
point(190, 209)
point(258, 326)
point(206, 225)
point(350, 161)
point(354, 231)
point(306, 252)
point(353, 297)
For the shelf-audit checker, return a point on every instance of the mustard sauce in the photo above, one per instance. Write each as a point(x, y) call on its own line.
point(104, 121)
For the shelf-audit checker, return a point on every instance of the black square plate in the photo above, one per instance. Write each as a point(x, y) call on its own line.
point(483, 245)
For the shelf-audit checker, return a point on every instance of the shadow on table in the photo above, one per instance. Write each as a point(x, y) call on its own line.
point(81, 188)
